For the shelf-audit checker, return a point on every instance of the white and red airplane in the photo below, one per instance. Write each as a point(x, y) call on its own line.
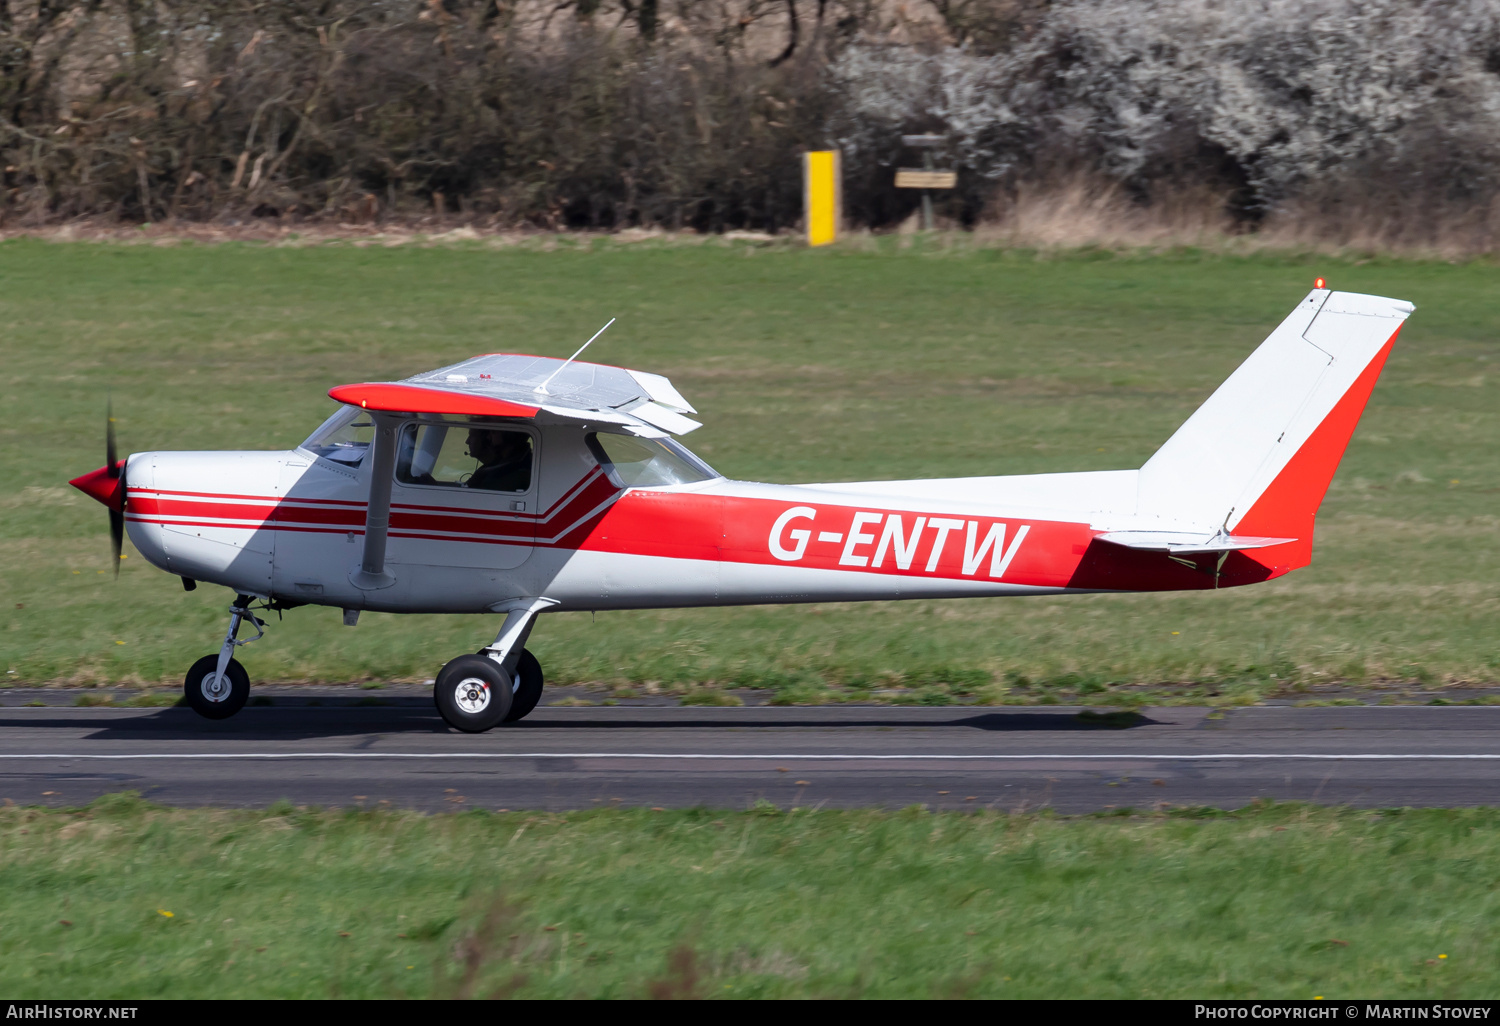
point(525, 484)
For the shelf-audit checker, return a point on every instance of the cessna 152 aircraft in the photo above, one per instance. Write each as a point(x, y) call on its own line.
point(526, 484)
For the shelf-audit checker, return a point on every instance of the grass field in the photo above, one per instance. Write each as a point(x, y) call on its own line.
point(872, 361)
point(122, 900)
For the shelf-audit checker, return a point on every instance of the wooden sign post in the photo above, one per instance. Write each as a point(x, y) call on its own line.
point(822, 196)
point(925, 178)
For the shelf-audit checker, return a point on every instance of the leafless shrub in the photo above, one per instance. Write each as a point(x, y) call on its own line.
point(1368, 122)
point(1441, 199)
point(355, 112)
point(1269, 102)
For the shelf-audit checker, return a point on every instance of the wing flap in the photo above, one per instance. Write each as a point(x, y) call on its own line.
point(659, 416)
point(630, 423)
point(661, 391)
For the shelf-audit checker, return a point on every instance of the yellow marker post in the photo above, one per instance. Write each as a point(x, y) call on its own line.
point(821, 196)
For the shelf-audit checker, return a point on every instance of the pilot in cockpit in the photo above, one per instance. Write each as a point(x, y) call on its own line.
point(504, 460)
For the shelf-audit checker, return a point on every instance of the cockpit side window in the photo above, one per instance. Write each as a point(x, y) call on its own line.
point(465, 456)
point(643, 462)
point(344, 437)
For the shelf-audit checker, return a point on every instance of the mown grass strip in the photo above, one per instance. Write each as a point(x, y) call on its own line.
point(123, 899)
point(807, 366)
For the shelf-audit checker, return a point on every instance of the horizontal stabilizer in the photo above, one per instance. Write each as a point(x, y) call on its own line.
point(1179, 543)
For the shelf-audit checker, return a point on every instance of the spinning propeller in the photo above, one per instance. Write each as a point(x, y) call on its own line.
point(107, 484)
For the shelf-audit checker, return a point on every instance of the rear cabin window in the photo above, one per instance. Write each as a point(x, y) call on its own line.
point(477, 456)
point(641, 462)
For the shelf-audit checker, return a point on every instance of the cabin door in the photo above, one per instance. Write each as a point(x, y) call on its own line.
point(465, 494)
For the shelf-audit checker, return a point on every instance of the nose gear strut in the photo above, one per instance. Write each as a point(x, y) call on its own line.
point(217, 686)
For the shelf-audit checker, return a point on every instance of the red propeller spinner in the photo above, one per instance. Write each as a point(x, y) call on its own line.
point(107, 484)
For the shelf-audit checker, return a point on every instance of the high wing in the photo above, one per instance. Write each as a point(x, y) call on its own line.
point(539, 387)
point(545, 389)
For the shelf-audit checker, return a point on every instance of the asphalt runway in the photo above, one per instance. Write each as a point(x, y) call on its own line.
point(567, 758)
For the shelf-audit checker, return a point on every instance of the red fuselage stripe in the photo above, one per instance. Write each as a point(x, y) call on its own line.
point(262, 513)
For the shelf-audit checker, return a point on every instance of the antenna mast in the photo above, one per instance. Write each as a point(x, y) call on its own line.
point(542, 388)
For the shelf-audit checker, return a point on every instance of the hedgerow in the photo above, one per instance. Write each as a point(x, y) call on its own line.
point(609, 113)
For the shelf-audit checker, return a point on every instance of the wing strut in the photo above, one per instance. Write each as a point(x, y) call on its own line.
point(372, 575)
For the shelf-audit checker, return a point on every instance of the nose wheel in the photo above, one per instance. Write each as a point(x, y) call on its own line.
point(213, 694)
point(217, 686)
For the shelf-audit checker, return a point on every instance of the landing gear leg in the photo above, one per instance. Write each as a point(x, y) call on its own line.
point(499, 684)
point(217, 686)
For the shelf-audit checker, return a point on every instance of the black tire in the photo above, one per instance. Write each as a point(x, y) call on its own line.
point(472, 694)
point(528, 690)
point(199, 692)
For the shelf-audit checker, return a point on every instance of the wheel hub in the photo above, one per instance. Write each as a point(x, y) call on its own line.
point(215, 687)
point(472, 695)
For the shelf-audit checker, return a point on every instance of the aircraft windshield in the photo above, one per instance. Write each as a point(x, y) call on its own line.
point(639, 462)
point(344, 437)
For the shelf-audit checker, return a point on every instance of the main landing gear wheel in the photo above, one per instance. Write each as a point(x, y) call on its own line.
point(213, 696)
point(528, 688)
point(472, 693)
point(526, 691)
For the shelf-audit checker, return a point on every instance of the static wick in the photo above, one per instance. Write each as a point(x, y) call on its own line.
point(542, 388)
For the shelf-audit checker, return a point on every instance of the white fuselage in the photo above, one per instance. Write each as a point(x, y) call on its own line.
point(290, 525)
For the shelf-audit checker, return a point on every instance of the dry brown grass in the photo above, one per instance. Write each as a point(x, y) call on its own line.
point(1086, 210)
point(1375, 222)
point(1075, 211)
point(1079, 210)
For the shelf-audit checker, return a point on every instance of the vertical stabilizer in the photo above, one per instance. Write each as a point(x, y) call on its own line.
point(1257, 457)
